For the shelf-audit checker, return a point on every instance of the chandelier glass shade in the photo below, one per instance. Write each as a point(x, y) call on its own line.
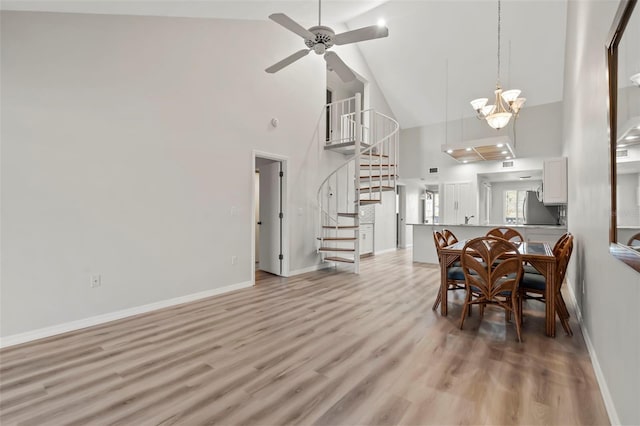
point(507, 103)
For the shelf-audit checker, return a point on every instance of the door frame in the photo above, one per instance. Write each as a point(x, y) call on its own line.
point(284, 161)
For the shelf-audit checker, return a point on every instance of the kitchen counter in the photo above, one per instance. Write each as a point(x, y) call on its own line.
point(438, 225)
point(424, 249)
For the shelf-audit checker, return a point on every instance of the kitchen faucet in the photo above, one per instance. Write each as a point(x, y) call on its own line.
point(466, 219)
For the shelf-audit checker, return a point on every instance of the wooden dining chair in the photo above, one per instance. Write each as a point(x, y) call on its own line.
point(506, 233)
point(533, 285)
point(449, 237)
point(635, 240)
point(455, 277)
point(556, 252)
point(488, 282)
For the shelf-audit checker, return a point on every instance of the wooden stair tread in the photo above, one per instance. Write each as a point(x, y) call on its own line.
point(348, 214)
point(340, 227)
point(337, 238)
point(376, 188)
point(338, 259)
point(372, 177)
point(336, 249)
point(363, 202)
point(373, 166)
point(366, 154)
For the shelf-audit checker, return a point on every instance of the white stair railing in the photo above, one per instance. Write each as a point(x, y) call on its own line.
point(361, 179)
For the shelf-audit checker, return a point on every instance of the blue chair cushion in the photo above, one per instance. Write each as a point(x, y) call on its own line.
point(533, 281)
point(455, 273)
point(528, 269)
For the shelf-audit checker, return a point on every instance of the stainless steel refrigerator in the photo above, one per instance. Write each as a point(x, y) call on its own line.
point(536, 213)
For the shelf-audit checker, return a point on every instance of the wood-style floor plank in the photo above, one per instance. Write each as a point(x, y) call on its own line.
point(323, 348)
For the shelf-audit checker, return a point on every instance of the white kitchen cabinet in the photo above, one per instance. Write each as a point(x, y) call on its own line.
point(554, 187)
point(366, 239)
point(458, 203)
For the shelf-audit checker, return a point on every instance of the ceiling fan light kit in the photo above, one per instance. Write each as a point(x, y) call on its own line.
point(507, 103)
point(320, 38)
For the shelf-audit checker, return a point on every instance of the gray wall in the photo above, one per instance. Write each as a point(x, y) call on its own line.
point(126, 151)
point(607, 290)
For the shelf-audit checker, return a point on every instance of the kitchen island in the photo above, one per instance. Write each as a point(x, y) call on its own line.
point(424, 249)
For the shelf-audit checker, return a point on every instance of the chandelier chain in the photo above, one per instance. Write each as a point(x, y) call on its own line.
point(498, 73)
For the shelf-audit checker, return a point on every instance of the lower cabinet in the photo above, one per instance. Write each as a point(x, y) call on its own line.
point(366, 239)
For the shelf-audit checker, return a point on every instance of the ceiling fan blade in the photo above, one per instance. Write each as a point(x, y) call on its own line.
point(292, 25)
point(362, 34)
point(343, 71)
point(288, 60)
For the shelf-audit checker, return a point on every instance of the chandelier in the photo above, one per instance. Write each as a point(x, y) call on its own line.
point(507, 103)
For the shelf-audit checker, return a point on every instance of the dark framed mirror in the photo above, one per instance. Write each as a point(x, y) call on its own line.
point(623, 61)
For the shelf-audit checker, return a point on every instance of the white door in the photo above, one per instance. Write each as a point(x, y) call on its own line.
point(450, 205)
point(270, 227)
point(402, 216)
point(256, 182)
point(466, 203)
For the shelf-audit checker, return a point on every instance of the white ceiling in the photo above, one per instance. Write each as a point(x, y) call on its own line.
point(439, 52)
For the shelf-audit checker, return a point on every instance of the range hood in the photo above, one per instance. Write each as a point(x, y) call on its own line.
point(485, 149)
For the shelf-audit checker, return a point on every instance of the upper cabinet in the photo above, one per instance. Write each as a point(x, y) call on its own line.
point(554, 184)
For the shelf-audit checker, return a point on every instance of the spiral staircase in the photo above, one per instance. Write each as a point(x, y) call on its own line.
point(370, 140)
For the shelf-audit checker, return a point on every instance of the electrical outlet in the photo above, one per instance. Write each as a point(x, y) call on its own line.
point(95, 281)
point(234, 260)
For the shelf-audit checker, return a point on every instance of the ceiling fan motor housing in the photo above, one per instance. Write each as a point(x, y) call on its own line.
point(323, 40)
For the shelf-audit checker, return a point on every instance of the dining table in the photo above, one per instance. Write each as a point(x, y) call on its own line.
point(537, 254)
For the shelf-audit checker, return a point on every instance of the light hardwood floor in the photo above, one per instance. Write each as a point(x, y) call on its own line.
point(325, 348)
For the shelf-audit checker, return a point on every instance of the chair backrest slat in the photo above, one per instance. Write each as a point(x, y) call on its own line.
point(506, 233)
point(483, 274)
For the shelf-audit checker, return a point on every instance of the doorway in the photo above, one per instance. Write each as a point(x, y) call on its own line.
point(268, 213)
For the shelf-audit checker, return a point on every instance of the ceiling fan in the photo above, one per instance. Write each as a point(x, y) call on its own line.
point(320, 39)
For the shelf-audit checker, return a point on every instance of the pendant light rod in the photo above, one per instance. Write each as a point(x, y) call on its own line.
point(507, 103)
point(319, 12)
point(499, 16)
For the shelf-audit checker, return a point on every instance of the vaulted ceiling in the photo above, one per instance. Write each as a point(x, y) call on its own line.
point(439, 55)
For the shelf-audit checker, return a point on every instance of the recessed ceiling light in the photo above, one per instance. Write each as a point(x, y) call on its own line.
point(381, 22)
point(622, 145)
point(468, 149)
point(630, 138)
point(507, 158)
point(503, 152)
point(449, 151)
point(500, 145)
point(465, 161)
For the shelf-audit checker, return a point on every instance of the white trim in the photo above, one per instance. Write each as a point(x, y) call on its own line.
point(389, 250)
point(313, 268)
point(604, 389)
point(41, 333)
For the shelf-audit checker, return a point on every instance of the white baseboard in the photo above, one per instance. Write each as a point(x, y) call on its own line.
point(385, 251)
point(602, 383)
point(41, 333)
point(310, 269)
